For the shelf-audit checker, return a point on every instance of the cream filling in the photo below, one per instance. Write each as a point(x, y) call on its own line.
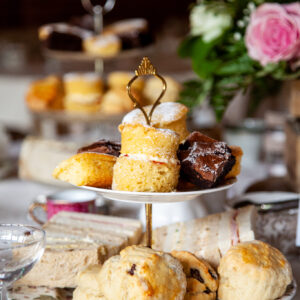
point(84, 98)
point(150, 158)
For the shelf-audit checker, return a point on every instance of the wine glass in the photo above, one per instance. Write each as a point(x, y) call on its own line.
point(21, 246)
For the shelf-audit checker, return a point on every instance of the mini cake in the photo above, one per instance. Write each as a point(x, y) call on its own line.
point(132, 32)
point(253, 271)
point(142, 273)
point(204, 161)
point(237, 152)
point(166, 115)
point(45, 94)
point(148, 161)
point(119, 80)
point(153, 89)
point(202, 279)
point(102, 45)
point(83, 92)
point(61, 36)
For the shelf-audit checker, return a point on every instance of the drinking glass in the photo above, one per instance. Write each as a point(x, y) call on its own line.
point(21, 246)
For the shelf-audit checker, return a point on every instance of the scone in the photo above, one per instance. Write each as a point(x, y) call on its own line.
point(253, 271)
point(83, 92)
point(45, 94)
point(88, 284)
point(88, 168)
point(142, 273)
point(82, 294)
point(166, 115)
point(202, 280)
point(153, 88)
point(102, 45)
point(148, 161)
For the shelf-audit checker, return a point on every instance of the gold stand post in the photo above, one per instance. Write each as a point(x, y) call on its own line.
point(146, 68)
point(148, 210)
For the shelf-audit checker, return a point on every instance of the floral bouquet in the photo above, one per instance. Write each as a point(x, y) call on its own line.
point(239, 44)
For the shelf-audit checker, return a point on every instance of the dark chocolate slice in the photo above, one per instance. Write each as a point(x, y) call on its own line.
point(104, 147)
point(204, 161)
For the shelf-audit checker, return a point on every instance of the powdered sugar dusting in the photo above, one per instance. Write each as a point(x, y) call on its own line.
point(166, 112)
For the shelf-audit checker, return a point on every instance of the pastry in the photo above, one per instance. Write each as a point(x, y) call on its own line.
point(88, 284)
point(117, 101)
point(132, 32)
point(237, 152)
point(75, 241)
point(204, 161)
point(88, 279)
point(61, 36)
point(102, 146)
point(153, 89)
point(209, 237)
point(87, 168)
point(166, 115)
point(45, 94)
point(119, 80)
point(83, 92)
point(148, 161)
point(202, 279)
point(144, 274)
point(81, 294)
point(253, 271)
point(102, 45)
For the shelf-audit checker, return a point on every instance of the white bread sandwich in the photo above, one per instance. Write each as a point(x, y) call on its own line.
point(77, 240)
point(209, 237)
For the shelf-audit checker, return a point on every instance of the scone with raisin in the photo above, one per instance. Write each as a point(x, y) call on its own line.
point(202, 279)
point(144, 274)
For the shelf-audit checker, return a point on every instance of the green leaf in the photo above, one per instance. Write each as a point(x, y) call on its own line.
point(240, 65)
point(185, 49)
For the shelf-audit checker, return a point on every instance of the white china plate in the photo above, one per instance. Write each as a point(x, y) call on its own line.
point(290, 293)
point(147, 197)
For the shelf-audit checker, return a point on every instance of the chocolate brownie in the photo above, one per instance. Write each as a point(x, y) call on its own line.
point(103, 146)
point(204, 161)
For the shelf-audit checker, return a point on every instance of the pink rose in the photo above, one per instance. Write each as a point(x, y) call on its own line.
point(273, 33)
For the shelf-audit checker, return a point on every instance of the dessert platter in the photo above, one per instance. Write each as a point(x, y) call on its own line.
point(109, 258)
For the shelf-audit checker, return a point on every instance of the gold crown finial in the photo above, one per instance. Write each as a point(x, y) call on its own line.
point(146, 68)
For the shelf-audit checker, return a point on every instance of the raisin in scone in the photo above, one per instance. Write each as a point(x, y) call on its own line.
point(202, 280)
point(144, 274)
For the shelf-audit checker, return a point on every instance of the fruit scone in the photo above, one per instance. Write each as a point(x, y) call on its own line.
point(148, 161)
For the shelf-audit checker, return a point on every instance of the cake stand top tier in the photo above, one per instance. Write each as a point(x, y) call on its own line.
point(147, 197)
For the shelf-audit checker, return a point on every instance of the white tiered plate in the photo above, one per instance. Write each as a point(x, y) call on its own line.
point(143, 197)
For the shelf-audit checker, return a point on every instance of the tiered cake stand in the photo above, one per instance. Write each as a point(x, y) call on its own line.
point(148, 198)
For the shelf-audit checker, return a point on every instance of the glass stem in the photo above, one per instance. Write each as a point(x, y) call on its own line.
point(3, 291)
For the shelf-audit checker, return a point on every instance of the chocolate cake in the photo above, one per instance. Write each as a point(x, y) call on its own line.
point(204, 161)
point(103, 146)
point(64, 37)
point(133, 33)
